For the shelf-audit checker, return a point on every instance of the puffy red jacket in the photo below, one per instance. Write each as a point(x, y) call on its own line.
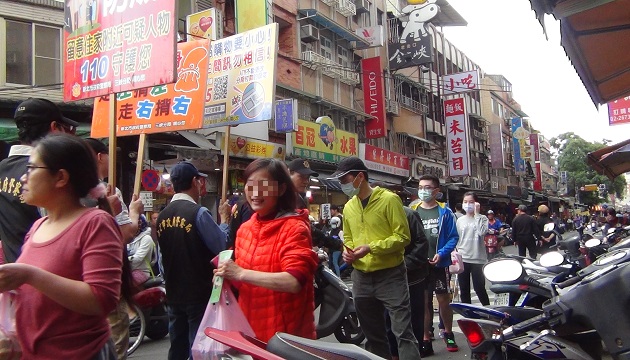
point(279, 245)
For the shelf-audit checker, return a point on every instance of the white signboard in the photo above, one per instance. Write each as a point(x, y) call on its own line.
point(147, 200)
point(457, 137)
point(374, 36)
point(325, 211)
point(460, 82)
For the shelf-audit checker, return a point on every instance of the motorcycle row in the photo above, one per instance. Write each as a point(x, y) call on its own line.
point(571, 304)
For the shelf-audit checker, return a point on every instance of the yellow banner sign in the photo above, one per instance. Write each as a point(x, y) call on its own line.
point(248, 148)
point(322, 141)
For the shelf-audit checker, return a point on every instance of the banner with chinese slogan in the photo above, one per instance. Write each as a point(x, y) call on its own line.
point(162, 108)
point(457, 137)
point(374, 98)
point(116, 46)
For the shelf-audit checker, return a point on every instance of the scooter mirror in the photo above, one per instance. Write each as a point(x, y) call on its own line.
point(611, 231)
point(549, 227)
point(552, 258)
point(592, 243)
point(505, 270)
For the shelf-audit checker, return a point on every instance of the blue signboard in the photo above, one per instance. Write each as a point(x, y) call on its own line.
point(520, 139)
point(286, 116)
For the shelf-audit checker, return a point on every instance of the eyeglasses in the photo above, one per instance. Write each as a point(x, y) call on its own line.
point(427, 188)
point(30, 167)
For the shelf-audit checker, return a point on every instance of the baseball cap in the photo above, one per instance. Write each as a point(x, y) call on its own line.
point(98, 146)
point(347, 165)
point(543, 209)
point(490, 212)
point(39, 111)
point(522, 207)
point(184, 171)
point(302, 167)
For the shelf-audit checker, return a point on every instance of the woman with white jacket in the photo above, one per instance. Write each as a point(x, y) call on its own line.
point(472, 228)
point(141, 252)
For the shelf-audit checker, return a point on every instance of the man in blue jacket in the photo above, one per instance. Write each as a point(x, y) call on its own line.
point(439, 227)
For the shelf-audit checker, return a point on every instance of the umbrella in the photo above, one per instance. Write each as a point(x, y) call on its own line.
point(611, 161)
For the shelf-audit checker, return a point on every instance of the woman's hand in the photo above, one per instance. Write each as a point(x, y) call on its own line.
point(14, 275)
point(229, 270)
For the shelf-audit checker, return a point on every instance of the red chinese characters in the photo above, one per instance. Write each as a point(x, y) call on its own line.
point(457, 137)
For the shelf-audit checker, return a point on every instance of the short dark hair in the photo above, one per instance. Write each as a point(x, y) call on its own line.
point(430, 177)
point(334, 207)
point(471, 193)
point(280, 173)
point(458, 206)
point(30, 133)
point(71, 153)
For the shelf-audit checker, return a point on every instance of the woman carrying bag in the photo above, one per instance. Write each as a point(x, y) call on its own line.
point(472, 227)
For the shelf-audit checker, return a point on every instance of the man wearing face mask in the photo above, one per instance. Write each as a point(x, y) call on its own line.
point(441, 231)
point(377, 231)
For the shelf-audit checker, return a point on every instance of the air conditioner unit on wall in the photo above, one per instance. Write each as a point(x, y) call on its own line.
point(363, 6)
point(309, 33)
point(393, 107)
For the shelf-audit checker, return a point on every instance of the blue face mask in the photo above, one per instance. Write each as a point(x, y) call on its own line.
point(349, 188)
point(425, 195)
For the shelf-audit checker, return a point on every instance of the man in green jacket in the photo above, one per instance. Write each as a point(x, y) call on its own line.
point(376, 232)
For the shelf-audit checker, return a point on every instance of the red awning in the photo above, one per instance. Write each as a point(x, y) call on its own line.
point(611, 161)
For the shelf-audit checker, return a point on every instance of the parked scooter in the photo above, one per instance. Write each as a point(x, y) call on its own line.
point(150, 315)
point(574, 322)
point(491, 241)
point(337, 314)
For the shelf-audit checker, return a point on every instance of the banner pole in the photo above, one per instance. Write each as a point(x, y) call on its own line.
point(139, 163)
point(111, 173)
point(226, 161)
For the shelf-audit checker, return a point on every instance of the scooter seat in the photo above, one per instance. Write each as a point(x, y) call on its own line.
point(294, 347)
point(519, 313)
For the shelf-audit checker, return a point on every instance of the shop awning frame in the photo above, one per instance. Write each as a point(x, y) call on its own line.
point(328, 23)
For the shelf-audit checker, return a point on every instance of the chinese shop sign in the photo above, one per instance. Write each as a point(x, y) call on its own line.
point(521, 148)
point(322, 141)
point(457, 137)
point(619, 111)
point(385, 161)
point(172, 107)
point(249, 148)
point(461, 82)
point(286, 116)
point(534, 140)
point(414, 45)
point(374, 98)
point(117, 46)
point(207, 24)
point(241, 78)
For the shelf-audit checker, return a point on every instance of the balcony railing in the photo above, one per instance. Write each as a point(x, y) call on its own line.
point(413, 105)
point(479, 134)
point(349, 77)
point(346, 8)
point(316, 61)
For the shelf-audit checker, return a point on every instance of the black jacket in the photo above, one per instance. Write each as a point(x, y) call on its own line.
point(319, 237)
point(525, 229)
point(417, 251)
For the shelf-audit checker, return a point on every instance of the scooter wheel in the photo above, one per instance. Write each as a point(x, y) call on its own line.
point(158, 323)
point(137, 329)
point(349, 331)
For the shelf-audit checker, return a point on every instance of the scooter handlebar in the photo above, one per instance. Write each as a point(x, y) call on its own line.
point(567, 283)
point(524, 326)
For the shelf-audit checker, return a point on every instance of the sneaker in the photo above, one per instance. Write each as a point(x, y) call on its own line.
point(442, 333)
point(427, 348)
point(449, 339)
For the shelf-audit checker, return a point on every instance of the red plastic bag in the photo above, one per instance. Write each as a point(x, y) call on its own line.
point(9, 346)
point(224, 315)
point(457, 263)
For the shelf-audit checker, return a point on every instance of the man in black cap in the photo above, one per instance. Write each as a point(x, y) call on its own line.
point(34, 118)
point(525, 232)
point(376, 229)
point(189, 239)
point(301, 172)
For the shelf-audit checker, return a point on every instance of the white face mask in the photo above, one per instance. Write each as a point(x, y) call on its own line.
point(349, 188)
point(425, 195)
point(468, 207)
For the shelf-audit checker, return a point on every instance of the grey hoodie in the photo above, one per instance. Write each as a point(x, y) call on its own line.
point(471, 232)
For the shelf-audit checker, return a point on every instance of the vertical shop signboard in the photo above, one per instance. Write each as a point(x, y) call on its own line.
point(251, 14)
point(162, 108)
point(534, 140)
point(496, 146)
point(520, 139)
point(117, 46)
point(242, 78)
point(374, 98)
point(457, 137)
point(286, 116)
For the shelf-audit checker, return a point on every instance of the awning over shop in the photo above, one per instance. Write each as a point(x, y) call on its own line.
point(331, 25)
point(329, 184)
point(596, 38)
point(611, 161)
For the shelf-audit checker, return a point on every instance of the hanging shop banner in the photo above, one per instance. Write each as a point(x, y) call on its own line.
point(116, 46)
point(322, 141)
point(374, 36)
point(521, 148)
point(457, 137)
point(413, 44)
point(422, 167)
point(251, 14)
point(249, 148)
point(460, 82)
point(207, 24)
point(496, 146)
point(374, 98)
point(242, 78)
point(385, 161)
point(619, 111)
point(162, 108)
point(286, 115)
point(534, 163)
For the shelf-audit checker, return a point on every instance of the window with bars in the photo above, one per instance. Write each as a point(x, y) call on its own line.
point(325, 47)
